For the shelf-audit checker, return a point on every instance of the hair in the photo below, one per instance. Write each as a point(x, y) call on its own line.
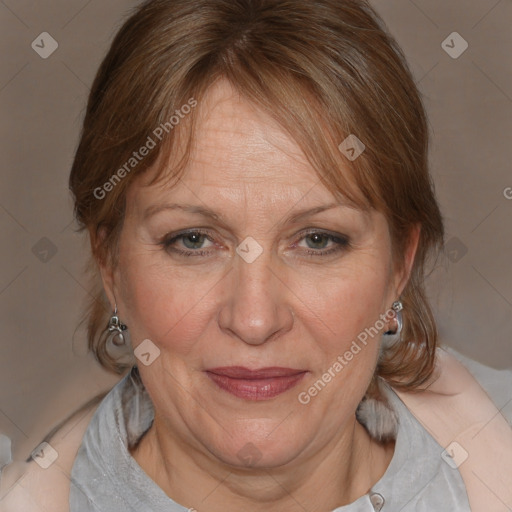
point(323, 69)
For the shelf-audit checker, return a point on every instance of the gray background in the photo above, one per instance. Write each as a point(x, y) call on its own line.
point(45, 370)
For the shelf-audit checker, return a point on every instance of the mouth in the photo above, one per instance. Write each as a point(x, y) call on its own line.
point(261, 384)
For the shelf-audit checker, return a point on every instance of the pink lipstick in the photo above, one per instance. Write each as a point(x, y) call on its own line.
point(261, 384)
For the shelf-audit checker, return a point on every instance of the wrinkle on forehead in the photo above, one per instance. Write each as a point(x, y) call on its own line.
point(226, 121)
point(241, 155)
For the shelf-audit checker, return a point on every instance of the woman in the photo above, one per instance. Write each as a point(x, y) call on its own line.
point(253, 178)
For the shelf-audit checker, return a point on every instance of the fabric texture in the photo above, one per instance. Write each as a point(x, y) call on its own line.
point(106, 478)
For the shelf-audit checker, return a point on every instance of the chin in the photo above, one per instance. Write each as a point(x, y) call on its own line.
point(267, 448)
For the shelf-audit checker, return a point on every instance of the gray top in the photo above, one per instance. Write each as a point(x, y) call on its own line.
point(106, 478)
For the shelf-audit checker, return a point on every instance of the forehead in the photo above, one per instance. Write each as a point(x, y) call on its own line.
point(238, 141)
point(238, 149)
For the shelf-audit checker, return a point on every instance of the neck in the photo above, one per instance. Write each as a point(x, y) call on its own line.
point(345, 469)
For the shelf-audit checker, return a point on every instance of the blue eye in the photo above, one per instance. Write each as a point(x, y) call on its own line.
point(318, 237)
point(193, 241)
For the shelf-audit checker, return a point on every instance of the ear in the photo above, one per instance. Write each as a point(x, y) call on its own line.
point(104, 262)
point(408, 261)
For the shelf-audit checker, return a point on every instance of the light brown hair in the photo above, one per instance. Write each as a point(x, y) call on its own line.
point(323, 69)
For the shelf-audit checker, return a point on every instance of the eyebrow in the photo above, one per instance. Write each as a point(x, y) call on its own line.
point(206, 212)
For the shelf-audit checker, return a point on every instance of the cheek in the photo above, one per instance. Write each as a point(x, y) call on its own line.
point(163, 304)
point(347, 300)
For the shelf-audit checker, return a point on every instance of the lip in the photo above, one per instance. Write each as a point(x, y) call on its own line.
point(259, 384)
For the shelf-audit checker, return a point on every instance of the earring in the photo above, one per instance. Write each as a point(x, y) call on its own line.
point(115, 330)
point(397, 307)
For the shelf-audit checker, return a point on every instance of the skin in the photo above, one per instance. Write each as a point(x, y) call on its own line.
point(284, 309)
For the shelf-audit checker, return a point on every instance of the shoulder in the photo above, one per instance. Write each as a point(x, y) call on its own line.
point(42, 482)
point(496, 383)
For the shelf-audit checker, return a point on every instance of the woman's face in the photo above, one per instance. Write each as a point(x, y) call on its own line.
point(258, 288)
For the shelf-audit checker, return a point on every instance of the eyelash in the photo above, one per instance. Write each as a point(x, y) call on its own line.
point(342, 242)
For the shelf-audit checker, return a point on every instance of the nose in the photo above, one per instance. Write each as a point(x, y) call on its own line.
point(256, 308)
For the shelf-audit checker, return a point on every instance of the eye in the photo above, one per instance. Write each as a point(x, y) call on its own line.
point(191, 240)
point(318, 241)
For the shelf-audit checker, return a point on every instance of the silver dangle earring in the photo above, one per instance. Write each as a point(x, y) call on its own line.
point(375, 413)
point(397, 307)
point(115, 330)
